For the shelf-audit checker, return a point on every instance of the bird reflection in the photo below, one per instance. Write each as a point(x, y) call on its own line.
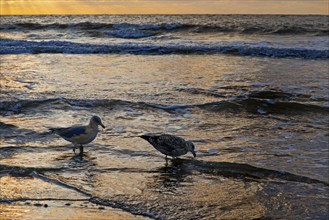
point(77, 161)
point(170, 177)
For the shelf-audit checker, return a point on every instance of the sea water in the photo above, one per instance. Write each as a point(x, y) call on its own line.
point(250, 91)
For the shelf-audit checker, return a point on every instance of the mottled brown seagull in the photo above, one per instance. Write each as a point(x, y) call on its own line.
point(170, 145)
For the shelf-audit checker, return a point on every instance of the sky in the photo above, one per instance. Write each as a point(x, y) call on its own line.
point(22, 7)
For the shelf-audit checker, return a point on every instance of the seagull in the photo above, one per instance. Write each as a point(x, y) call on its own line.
point(170, 145)
point(79, 135)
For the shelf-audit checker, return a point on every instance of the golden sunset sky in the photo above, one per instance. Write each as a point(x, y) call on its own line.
point(23, 7)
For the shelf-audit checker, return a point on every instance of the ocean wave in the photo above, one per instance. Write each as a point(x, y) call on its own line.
point(92, 25)
point(264, 107)
point(20, 105)
point(170, 26)
point(248, 104)
point(298, 30)
point(120, 30)
point(258, 30)
point(10, 46)
point(127, 34)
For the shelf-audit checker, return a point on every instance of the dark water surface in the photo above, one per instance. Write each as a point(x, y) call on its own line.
point(260, 125)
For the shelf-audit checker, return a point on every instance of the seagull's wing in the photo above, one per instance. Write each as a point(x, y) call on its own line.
point(70, 131)
point(170, 142)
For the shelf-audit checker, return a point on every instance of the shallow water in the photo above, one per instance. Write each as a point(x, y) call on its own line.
point(259, 125)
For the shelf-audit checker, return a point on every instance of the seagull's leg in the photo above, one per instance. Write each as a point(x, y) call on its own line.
point(74, 149)
point(81, 150)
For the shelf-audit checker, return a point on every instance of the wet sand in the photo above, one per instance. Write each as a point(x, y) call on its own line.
point(32, 196)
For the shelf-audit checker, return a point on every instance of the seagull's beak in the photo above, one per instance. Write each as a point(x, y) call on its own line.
point(101, 124)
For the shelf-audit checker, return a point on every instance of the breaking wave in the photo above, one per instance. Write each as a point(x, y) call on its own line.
point(10, 46)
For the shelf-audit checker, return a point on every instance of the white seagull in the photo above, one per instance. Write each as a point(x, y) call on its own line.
point(79, 135)
point(170, 145)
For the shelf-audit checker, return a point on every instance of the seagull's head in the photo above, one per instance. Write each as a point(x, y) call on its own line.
point(97, 120)
point(191, 148)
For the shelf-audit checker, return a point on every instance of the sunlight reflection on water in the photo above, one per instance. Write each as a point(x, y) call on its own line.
point(246, 162)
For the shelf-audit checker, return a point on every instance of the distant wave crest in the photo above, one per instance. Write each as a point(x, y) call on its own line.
point(165, 27)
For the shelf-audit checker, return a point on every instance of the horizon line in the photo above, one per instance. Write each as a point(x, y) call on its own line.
point(55, 14)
